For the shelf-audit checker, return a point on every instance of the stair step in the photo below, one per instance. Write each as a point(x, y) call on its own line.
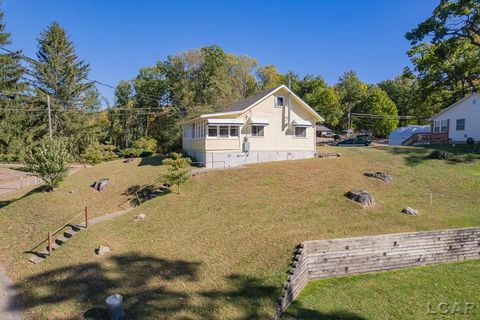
point(54, 246)
point(44, 254)
point(77, 227)
point(61, 240)
point(69, 233)
point(36, 259)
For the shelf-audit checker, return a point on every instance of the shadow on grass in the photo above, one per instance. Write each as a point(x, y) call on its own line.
point(150, 289)
point(151, 161)
point(413, 155)
point(43, 188)
point(139, 278)
point(138, 194)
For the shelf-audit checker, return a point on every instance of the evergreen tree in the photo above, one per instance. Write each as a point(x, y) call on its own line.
point(60, 74)
point(13, 135)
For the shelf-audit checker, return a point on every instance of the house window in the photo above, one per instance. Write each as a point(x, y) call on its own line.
point(233, 131)
point(279, 101)
point(474, 101)
point(440, 126)
point(223, 132)
point(300, 132)
point(460, 124)
point(212, 131)
point(257, 131)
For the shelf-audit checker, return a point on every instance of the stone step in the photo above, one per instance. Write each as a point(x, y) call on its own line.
point(70, 233)
point(61, 240)
point(77, 227)
point(42, 255)
point(35, 259)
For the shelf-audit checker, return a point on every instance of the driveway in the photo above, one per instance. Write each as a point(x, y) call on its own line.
point(8, 307)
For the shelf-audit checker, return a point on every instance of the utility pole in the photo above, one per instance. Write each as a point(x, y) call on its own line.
point(49, 117)
point(349, 118)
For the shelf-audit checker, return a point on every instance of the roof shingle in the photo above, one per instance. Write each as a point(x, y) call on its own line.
point(245, 103)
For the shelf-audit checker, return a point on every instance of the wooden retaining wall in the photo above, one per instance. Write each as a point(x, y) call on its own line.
point(320, 259)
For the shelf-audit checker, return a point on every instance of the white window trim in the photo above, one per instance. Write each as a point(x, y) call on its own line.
point(464, 124)
point(275, 102)
point(257, 125)
point(217, 137)
point(300, 137)
point(438, 124)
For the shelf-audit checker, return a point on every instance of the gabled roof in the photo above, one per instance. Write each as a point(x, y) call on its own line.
point(454, 105)
point(244, 105)
point(247, 102)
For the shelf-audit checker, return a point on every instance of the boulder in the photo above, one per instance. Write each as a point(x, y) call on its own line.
point(384, 176)
point(361, 196)
point(139, 217)
point(329, 154)
point(102, 250)
point(100, 184)
point(410, 211)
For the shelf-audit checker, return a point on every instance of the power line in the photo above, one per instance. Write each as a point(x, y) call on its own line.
point(147, 96)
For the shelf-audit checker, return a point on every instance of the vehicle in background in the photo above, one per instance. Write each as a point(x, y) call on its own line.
point(358, 141)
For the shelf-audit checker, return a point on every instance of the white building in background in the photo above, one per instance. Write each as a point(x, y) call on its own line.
point(402, 135)
point(272, 125)
point(458, 123)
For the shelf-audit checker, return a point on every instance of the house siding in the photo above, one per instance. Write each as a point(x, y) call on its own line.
point(278, 142)
point(467, 110)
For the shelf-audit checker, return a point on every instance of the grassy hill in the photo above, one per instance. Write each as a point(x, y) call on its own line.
point(221, 248)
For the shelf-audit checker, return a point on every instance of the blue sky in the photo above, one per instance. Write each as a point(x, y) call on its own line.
point(309, 37)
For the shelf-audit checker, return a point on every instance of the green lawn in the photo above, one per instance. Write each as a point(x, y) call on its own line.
point(448, 291)
point(221, 248)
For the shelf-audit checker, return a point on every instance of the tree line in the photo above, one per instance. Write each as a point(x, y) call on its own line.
point(444, 53)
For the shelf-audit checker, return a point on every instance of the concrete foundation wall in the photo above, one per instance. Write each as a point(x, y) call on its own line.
point(232, 159)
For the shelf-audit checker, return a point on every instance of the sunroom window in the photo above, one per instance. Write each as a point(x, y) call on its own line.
point(223, 132)
point(234, 131)
point(212, 131)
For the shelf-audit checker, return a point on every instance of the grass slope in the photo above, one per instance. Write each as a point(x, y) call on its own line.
point(220, 249)
point(448, 291)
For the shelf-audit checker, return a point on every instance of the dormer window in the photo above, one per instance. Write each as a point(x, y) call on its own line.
point(279, 101)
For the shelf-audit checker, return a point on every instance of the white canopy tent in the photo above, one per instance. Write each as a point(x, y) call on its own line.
point(399, 135)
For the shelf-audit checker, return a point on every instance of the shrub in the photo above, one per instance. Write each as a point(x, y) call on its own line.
point(131, 152)
point(49, 161)
point(178, 170)
point(147, 145)
point(441, 155)
point(97, 153)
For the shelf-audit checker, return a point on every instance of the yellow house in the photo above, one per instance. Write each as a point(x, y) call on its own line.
point(272, 125)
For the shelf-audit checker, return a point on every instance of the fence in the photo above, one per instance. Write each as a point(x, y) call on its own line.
point(338, 257)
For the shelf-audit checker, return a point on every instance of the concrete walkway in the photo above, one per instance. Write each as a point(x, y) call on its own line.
point(8, 306)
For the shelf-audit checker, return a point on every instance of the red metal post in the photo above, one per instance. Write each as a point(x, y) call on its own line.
point(50, 243)
point(87, 217)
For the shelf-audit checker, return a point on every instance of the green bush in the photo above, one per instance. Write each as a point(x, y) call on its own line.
point(131, 152)
point(441, 155)
point(147, 145)
point(97, 153)
point(49, 161)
